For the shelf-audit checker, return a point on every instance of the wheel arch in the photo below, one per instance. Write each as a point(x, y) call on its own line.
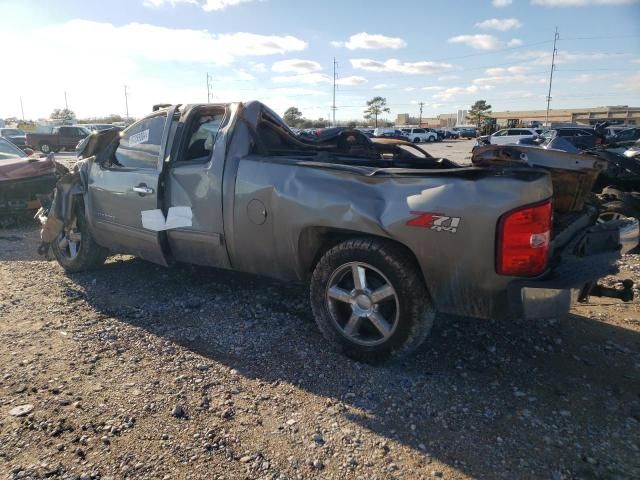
point(314, 242)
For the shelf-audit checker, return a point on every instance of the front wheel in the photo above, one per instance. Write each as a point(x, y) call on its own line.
point(369, 299)
point(45, 147)
point(432, 139)
point(75, 249)
point(416, 140)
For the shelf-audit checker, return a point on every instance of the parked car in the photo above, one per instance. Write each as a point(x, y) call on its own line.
point(466, 132)
point(230, 186)
point(23, 178)
point(417, 135)
point(15, 136)
point(60, 138)
point(390, 133)
point(448, 133)
point(583, 138)
point(510, 135)
point(626, 135)
point(611, 130)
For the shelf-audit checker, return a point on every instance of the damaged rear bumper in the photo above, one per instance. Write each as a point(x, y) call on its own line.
point(585, 259)
point(22, 195)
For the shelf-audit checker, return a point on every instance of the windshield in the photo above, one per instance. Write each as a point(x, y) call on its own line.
point(11, 131)
point(8, 150)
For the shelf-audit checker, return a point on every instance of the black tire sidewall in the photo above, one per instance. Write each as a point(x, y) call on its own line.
point(414, 305)
point(90, 254)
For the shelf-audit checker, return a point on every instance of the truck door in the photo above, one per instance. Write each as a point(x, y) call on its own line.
point(127, 184)
point(68, 137)
point(194, 180)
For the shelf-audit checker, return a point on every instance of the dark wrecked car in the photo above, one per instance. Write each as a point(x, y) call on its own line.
point(385, 234)
point(22, 179)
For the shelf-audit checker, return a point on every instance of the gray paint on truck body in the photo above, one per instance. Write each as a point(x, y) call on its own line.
point(270, 215)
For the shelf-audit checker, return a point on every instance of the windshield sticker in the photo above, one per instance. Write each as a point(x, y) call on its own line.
point(139, 137)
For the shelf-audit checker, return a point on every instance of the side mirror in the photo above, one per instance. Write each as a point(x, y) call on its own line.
point(28, 151)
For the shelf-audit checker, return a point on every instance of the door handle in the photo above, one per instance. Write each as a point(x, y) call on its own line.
point(143, 190)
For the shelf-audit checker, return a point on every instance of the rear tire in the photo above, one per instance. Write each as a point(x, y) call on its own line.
point(368, 299)
point(75, 249)
point(45, 147)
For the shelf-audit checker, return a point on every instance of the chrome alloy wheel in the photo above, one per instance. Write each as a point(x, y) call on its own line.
point(70, 240)
point(363, 304)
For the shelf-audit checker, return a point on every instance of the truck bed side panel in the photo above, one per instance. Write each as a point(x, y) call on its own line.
point(276, 202)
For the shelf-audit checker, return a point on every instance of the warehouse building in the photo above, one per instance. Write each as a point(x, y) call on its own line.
point(584, 116)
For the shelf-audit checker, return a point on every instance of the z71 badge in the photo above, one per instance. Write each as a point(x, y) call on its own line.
point(435, 221)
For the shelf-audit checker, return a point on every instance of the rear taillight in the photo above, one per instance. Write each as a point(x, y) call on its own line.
point(523, 240)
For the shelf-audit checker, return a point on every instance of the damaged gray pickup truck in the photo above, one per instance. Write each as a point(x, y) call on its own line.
point(385, 234)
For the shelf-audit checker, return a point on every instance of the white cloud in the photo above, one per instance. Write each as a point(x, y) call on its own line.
point(352, 80)
point(501, 3)
point(580, 3)
point(160, 43)
point(395, 65)
point(296, 66)
point(630, 84)
point(508, 78)
point(336, 43)
point(258, 67)
point(206, 5)
point(444, 78)
point(382, 86)
point(364, 40)
point(543, 57)
point(122, 54)
point(484, 42)
point(244, 76)
point(449, 93)
point(515, 70)
point(305, 78)
point(502, 24)
point(434, 88)
point(409, 89)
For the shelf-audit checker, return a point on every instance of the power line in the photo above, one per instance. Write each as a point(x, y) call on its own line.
point(553, 64)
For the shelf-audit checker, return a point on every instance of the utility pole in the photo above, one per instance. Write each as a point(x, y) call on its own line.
point(420, 119)
point(209, 87)
point(22, 109)
point(333, 107)
point(126, 103)
point(66, 105)
point(553, 66)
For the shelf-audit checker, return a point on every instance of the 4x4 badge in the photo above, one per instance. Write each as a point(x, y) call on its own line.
point(435, 221)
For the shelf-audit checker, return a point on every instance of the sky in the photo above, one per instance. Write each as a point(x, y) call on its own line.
point(443, 54)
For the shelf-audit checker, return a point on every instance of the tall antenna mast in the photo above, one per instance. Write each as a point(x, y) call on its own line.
point(209, 87)
point(553, 66)
point(126, 103)
point(420, 119)
point(66, 105)
point(22, 109)
point(333, 107)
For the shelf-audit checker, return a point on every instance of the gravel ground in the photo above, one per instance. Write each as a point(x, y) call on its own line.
point(142, 372)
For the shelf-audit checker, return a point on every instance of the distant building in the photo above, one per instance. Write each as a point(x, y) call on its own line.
point(585, 116)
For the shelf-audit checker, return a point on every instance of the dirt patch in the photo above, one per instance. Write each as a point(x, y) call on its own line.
point(143, 372)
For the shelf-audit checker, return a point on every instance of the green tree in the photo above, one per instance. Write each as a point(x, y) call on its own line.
point(375, 107)
point(293, 116)
point(478, 112)
point(63, 114)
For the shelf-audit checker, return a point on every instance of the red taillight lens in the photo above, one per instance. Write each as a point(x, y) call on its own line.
point(523, 240)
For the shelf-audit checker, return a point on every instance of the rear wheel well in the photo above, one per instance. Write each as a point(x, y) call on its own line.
point(314, 242)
